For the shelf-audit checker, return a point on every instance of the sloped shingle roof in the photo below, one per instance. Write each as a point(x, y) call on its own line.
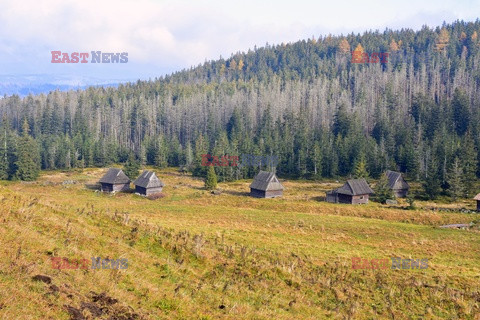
point(266, 181)
point(355, 187)
point(115, 176)
point(393, 178)
point(477, 197)
point(148, 179)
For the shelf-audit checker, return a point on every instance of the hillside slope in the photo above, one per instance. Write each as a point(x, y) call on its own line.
point(193, 255)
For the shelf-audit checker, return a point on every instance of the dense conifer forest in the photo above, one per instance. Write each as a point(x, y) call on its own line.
point(306, 102)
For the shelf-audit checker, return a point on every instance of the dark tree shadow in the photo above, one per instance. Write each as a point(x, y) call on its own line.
point(95, 186)
point(196, 187)
point(237, 193)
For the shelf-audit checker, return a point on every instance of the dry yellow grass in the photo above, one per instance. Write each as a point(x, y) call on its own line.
point(194, 255)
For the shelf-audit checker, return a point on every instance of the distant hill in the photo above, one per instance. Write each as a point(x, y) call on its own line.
point(23, 85)
point(21, 90)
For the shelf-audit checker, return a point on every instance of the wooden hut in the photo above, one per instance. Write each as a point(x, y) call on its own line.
point(397, 183)
point(477, 197)
point(115, 180)
point(148, 183)
point(266, 185)
point(355, 191)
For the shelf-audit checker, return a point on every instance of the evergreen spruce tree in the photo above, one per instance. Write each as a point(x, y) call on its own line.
point(382, 190)
point(317, 160)
point(131, 167)
point(211, 179)
point(410, 160)
point(432, 182)
point(3, 151)
point(341, 121)
point(468, 162)
point(461, 111)
point(361, 169)
point(411, 201)
point(87, 151)
point(161, 153)
point(28, 158)
point(454, 178)
point(343, 157)
point(3, 162)
point(201, 147)
point(12, 140)
point(99, 156)
point(175, 154)
point(188, 155)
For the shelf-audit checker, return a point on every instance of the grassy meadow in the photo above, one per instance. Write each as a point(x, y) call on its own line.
point(195, 255)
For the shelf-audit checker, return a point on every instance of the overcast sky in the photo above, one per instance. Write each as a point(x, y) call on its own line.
point(162, 36)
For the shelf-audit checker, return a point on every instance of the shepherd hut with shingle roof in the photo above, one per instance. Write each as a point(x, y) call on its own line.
point(148, 183)
point(397, 184)
point(115, 180)
point(477, 197)
point(266, 185)
point(354, 191)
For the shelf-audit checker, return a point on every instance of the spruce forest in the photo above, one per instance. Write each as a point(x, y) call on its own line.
point(305, 102)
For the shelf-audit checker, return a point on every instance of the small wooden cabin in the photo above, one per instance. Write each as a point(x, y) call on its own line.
point(355, 191)
point(266, 185)
point(397, 183)
point(148, 183)
point(477, 197)
point(115, 180)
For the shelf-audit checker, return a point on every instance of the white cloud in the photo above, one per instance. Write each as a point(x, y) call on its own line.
point(162, 36)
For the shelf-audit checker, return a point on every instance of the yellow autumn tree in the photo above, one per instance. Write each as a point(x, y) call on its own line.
point(442, 40)
point(474, 36)
point(222, 69)
point(233, 65)
point(357, 54)
point(463, 36)
point(344, 46)
point(240, 65)
point(393, 46)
